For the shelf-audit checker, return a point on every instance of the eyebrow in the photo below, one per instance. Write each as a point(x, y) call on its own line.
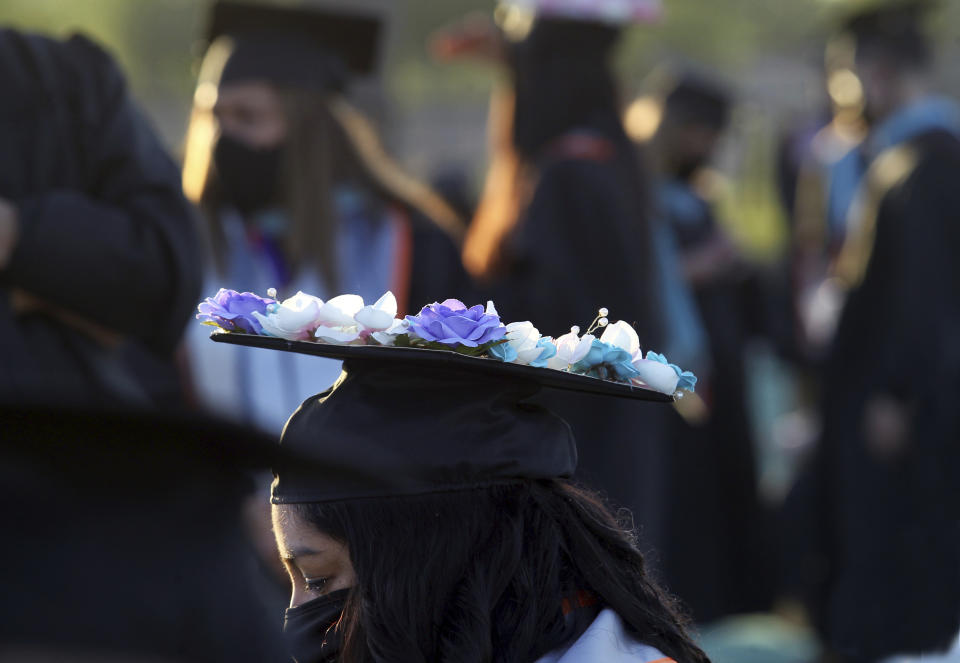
point(300, 551)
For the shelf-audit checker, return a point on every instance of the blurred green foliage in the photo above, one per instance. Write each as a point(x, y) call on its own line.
point(156, 41)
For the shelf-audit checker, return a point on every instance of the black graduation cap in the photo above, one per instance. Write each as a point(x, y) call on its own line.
point(425, 421)
point(298, 46)
point(894, 26)
point(695, 98)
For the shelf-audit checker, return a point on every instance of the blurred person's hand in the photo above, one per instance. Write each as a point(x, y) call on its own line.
point(886, 427)
point(718, 258)
point(9, 230)
point(475, 35)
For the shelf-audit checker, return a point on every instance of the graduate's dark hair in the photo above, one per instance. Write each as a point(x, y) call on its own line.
point(563, 80)
point(480, 574)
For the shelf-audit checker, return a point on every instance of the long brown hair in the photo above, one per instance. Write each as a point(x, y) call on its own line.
point(328, 142)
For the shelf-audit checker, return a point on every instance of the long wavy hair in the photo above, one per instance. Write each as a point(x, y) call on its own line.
point(479, 575)
point(329, 142)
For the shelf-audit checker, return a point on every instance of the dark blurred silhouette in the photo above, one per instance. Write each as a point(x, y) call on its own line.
point(99, 262)
point(298, 193)
point(124, 540)
point(879, 504)
point(716, 546)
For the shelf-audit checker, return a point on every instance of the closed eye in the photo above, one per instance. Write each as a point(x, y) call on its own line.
point(315, 584)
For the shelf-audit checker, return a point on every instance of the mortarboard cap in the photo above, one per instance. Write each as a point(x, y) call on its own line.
point(297, 46)
point(842, 13)
point(435, 402)
point(424, 421)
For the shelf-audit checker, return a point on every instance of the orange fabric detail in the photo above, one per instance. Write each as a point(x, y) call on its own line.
point(402, 260)
point(663, 660)
point(585, 599)
point(582, 599)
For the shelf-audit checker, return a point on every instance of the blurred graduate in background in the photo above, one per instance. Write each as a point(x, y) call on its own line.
point(298, 193)
point(715, 550)
point(879, 505)
point(564, 226)
point(91, 214)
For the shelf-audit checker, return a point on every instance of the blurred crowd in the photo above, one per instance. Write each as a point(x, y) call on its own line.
point(587, 199)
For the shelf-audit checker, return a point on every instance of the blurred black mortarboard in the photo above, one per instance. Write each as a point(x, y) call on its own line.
point(306, 47)
point(697, 99)
point(425, 421)
point(894, 27)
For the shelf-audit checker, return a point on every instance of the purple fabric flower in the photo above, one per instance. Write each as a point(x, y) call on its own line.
point(452, 323)
point(233, 311)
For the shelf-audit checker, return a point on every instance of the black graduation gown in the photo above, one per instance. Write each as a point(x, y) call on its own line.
point(105, 232)
point(716, 547)
point(582, 244)
point(886, 536)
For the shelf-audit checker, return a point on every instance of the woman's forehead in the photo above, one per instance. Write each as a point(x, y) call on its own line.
point(296, 537)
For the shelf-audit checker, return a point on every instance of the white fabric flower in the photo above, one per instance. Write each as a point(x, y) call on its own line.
point(571, 348)
point(380, 316)
point(656, 375)
point(339, 311)
point(293, 319)
point(389, 336)
point(621, 335)
point(337, 323)
point(523, 337)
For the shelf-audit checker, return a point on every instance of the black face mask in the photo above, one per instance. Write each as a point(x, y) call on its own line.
point(249, 177)
point(308, 628)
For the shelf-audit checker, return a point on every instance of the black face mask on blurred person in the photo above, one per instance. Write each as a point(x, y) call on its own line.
point(686, 169)
point(308, 631)
point(249, 177)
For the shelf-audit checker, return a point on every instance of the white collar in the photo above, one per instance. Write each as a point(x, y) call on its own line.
point(607, 640)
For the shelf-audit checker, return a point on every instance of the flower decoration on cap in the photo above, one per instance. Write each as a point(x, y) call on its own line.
point(233, 311)
point(524, 346)
point(452, 326)
point(660, 375)
point(605, 11)
point(294, 319)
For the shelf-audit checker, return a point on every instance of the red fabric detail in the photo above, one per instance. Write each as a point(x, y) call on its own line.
point(581, 146)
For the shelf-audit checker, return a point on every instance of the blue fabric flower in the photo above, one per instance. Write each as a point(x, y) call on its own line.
point(233, 311)
point(606, 362)
point(452, 323)
point(687, 380)
point(507, 352)
point(548, 350)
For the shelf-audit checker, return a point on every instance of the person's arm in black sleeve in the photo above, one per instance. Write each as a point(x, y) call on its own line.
point(923, 296)
point(120, 251)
